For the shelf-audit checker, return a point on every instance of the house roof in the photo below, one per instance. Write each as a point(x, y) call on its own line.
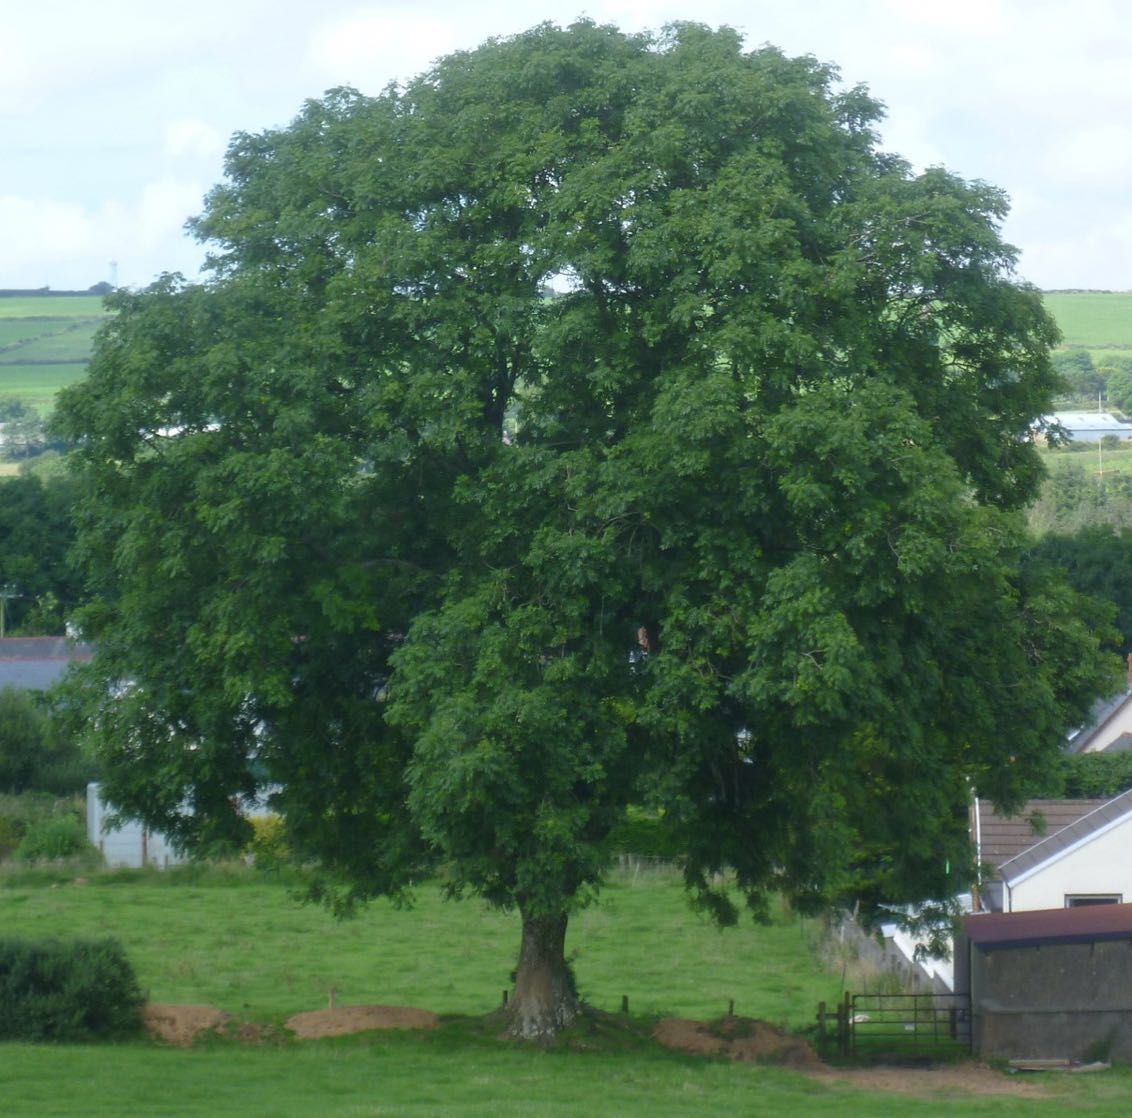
point(1087, 827)
point(990, 931)
point(1004, 837)
point(35, 663)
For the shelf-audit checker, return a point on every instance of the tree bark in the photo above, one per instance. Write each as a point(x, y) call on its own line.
point(544, 1000)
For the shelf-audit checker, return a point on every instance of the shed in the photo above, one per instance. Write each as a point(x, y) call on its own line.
point(1089, 426)
point(1053, 983)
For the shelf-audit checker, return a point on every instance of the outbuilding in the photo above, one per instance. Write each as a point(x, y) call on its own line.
point(1049, 984)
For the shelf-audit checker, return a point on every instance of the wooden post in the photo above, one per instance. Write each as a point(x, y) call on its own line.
point(624, 1003)
point(504, 999)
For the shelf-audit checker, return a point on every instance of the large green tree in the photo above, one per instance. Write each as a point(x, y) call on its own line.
point(597, 420)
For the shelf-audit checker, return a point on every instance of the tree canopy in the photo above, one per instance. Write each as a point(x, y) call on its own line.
point(598, 420)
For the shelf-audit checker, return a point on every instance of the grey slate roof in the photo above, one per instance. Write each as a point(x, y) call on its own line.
point(1004, 837)
point(35, 663)
point(1110, 813)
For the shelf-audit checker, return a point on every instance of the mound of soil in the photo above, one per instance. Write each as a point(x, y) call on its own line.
point(358, 1018)
point(740, 1038)
point(182, 1024)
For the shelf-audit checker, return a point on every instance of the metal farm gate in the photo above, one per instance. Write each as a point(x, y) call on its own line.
point(898, 1026)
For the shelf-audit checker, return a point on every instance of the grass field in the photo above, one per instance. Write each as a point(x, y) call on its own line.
point(243, 944)
point(1096, 320)
point(45, 344)
point(246, 947)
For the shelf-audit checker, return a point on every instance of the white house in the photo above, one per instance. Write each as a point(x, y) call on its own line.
point(1082, 858)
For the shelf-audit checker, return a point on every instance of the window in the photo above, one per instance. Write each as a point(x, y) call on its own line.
point(1079, 900)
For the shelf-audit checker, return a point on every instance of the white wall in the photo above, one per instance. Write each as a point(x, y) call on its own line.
point(1103, 864)
point(128, 845)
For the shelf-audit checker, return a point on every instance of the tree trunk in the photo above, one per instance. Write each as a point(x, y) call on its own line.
point(544, 999)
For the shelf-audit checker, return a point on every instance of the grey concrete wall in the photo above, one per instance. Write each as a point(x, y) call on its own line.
point(1065, 1000)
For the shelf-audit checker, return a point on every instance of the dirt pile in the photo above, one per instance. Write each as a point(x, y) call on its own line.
point(358, 1018)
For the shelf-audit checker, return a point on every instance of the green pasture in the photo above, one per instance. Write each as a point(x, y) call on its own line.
point(70, 342)
point(1093, 319)
point(37, 385)
point(244, 944)
point(51, 306)
point(247, 947)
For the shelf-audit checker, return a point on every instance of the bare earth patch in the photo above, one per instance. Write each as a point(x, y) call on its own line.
point(358, 1018)
point(948, 1079)
point(742, 1038)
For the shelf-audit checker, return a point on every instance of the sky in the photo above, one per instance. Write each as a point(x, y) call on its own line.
point(115, 116)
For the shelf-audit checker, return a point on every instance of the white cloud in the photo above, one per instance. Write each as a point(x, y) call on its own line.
point(68, 246)
point(193, 138)
point(372, 46)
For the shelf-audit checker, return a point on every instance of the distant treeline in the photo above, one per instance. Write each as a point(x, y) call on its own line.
point(1082, 291)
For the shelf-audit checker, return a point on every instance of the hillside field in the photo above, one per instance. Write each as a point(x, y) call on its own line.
point(45, 343)
point(1099, 321)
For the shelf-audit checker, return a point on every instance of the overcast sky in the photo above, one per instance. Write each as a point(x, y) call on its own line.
point(114, 116)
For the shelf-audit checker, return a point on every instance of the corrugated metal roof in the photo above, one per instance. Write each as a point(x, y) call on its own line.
point(1003, 837)
point(35, 663)
point(990, 931)
point(1108, 814)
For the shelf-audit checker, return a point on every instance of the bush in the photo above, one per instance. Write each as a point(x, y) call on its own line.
point(67, 990)
point(268, 846)
point(58, 836)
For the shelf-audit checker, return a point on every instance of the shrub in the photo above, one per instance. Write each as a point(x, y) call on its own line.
point(58, 836)
point(67, 990)
point(269, 842)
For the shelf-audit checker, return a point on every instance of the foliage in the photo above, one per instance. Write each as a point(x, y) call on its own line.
point(1097, 561)
point(36, 753)
point(724, 525)
point(1077, 496)
point(1095, 776)
point(37, 531)
point(59, 836)
point(67, 990)
point(268, 845)
point(1080, 376)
